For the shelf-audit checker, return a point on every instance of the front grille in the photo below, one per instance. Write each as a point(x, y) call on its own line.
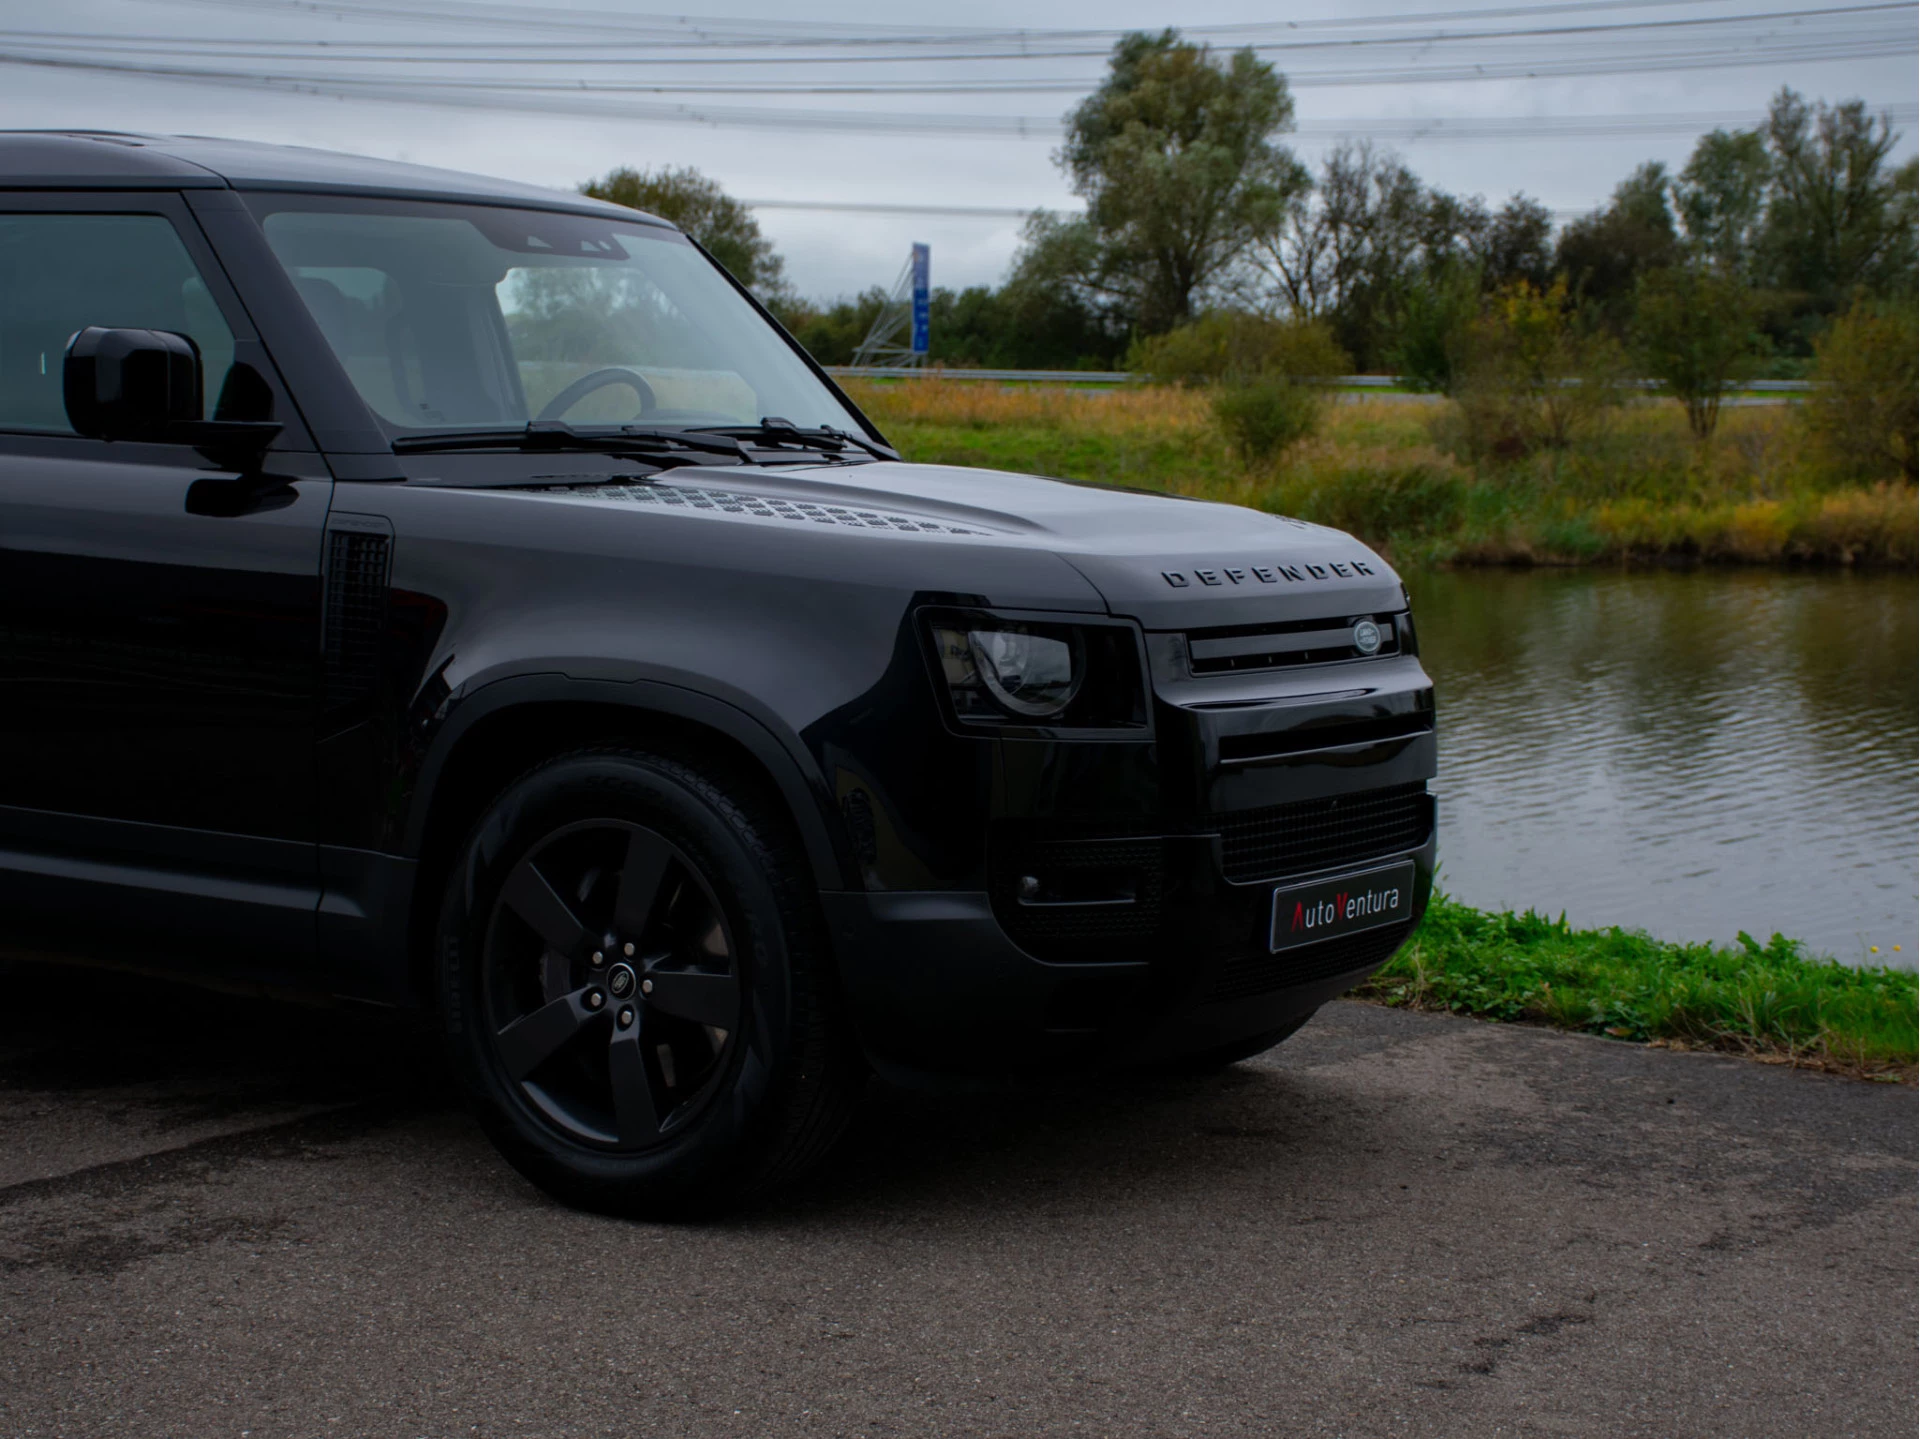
point(1317, 834)
point(1082, 931)
point(1230, 649)
point(1249, 974)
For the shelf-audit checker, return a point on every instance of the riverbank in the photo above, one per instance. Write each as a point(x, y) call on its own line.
point(1770, 1001)
point(1638, 489)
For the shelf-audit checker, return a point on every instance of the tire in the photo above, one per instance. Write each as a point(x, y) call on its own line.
point(636, 990)
point(1210, 1061)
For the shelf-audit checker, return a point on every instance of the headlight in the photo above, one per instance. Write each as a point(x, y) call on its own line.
point(1032, 675)
point(1006, 670)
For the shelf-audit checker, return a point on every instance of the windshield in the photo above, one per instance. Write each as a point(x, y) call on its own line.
point(467, 316)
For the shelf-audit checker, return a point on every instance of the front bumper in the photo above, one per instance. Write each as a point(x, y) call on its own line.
point(936, 983)
point(1120, 903)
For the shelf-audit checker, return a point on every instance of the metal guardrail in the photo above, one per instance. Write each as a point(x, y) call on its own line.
point(940, 372)
point(1127, 377)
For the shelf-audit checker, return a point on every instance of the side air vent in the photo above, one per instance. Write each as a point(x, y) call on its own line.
point(356, 618)
point(765, 507)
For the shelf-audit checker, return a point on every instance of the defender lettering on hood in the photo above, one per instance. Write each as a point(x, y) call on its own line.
point(1267, 574)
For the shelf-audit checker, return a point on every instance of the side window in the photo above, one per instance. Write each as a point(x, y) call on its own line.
point(61, 273)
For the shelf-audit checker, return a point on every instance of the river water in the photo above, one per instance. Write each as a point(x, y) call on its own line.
point(1688, 753)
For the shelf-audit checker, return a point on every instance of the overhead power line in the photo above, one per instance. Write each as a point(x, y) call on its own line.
point(717, 31)
point(652, 55)
point(675, 70)
point(609, 98)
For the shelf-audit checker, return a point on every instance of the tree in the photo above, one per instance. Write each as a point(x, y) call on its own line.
point(1514, 245)
point(1696, 330)
point(708, 213)
point(1603, 255)
point(1357, 249)
point(1011, 327)
point(1722, 197)
point(1838, 219)
point(1175, 156)
point(1430, 326)
point(1352, 229)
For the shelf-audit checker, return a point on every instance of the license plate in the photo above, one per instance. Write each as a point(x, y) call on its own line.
point(1345, 904)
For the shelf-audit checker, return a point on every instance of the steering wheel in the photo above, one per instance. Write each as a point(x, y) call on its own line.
point(593, 383)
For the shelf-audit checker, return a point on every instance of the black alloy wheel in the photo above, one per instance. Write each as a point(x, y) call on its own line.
point(636, 986)
point(611, 983)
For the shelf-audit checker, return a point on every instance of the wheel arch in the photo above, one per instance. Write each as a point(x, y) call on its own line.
point(509, 725)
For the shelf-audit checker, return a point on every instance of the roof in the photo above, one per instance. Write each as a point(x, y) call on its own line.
point(106, 160)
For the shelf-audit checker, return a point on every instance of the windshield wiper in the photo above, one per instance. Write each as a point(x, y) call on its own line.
point(774, 430)
point(640, 441)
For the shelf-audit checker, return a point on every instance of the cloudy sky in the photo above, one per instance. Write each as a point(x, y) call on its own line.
point(948, 107)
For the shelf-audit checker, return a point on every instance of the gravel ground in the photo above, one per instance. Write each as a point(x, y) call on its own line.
point(223, 1217)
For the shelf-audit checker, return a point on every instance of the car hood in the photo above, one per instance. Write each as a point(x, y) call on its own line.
point(1170, 562)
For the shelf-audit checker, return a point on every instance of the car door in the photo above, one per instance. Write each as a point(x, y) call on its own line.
point(159, 620)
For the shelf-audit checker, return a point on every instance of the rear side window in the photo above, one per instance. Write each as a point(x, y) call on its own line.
point(61, 273)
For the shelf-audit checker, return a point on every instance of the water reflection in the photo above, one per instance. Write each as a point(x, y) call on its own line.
point(1688, 753)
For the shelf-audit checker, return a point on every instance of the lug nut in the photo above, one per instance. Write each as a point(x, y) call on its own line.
point(626, 1018)
point(627, 950)
point(595, 999)
point(646, 986)
point(599, 958)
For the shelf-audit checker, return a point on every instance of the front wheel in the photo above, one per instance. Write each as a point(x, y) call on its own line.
point(635, 987)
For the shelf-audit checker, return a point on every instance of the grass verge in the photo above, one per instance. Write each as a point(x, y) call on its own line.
point(1769, 1001)
point(1639, 489)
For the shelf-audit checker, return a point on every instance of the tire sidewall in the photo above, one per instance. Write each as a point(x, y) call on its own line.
point(720, 1145)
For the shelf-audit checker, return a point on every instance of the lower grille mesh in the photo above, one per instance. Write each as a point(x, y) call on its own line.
point(1077, 932)
point(1249, 974)
point(1322, 833)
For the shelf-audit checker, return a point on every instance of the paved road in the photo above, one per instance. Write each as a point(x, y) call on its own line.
point(223, 1218)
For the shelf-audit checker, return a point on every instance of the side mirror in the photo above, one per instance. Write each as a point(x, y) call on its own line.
point(149, 385)
point(132, 384)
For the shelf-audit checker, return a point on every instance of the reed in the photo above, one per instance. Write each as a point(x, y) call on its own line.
point(1639, 489)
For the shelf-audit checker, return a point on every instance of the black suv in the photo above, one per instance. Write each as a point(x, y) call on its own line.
point(429, 591)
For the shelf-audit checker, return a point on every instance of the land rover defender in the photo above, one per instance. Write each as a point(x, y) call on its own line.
point(429, 591)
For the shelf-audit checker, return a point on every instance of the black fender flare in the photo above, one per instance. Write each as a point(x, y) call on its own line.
point(777, 751)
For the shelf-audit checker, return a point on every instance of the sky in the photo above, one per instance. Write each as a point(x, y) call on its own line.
point(1570, 94)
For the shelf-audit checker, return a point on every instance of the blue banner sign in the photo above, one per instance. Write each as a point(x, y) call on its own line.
point(922, 304)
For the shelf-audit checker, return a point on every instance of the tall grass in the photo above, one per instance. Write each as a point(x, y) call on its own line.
point(1768, 1000)
point(1640, 487)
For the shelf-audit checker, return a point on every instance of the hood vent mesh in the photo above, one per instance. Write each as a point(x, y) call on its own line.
point(765, 507)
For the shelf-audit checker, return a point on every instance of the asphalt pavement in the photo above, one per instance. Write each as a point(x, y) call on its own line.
point(224, 1217)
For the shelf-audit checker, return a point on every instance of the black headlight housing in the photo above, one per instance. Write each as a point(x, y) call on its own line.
point(1011, 671)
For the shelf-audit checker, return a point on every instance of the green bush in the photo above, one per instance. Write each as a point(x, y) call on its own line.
point(1535, 375)
point(1266, 416)
point(1863, 413)
point(1380, 503)
point(1233, 346)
